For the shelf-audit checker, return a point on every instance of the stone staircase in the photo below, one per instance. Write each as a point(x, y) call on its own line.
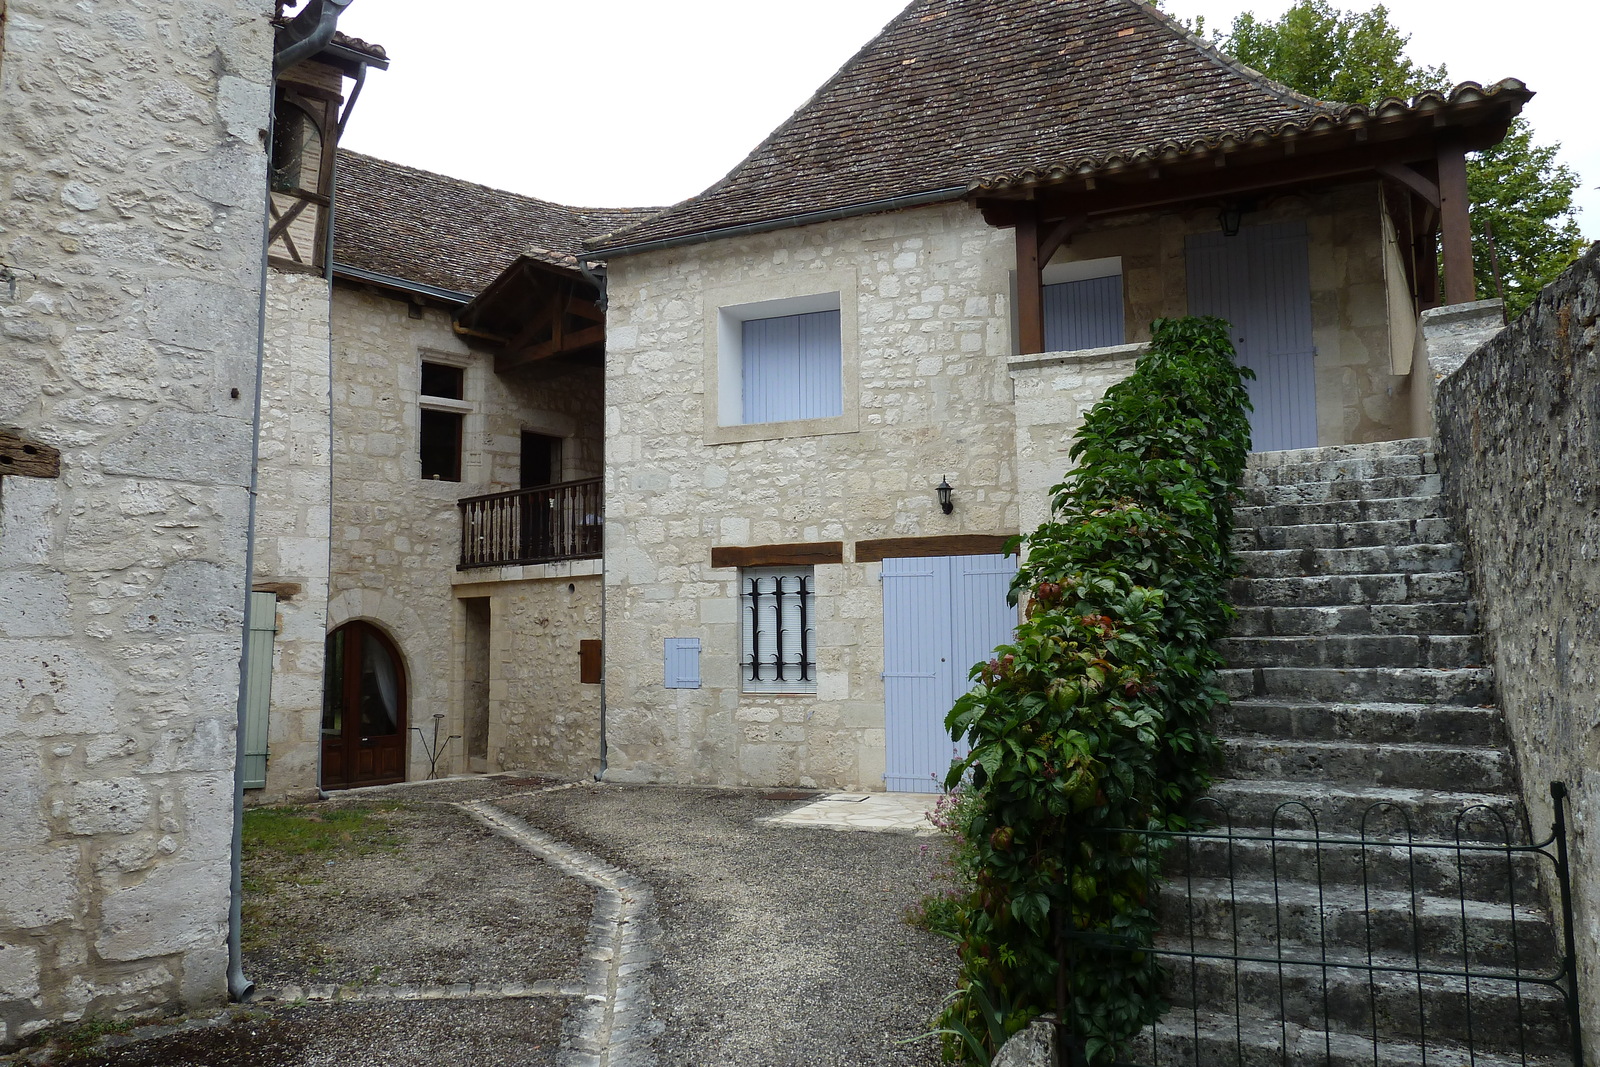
point(1357, 679)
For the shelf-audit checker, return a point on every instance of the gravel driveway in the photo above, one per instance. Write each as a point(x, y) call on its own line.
point(753, 945)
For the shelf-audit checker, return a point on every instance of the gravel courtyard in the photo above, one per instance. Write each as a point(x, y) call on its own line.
point(499, 921)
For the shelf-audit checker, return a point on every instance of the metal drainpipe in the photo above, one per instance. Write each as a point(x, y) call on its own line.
point(239, 986)
point(326, 14)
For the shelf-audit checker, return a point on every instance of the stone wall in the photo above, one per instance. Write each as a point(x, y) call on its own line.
point(931, 334)
point(294, 494)
point(1519, 436)
point(541, 717)
point(396, 537)
point(131, 226)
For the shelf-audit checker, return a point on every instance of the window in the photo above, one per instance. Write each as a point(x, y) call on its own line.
point(777, 611)
point(781, 358)
point(792, 366)
point(1083, 305)
point(443, 418)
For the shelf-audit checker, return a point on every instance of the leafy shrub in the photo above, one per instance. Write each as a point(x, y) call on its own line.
point(1098, 715)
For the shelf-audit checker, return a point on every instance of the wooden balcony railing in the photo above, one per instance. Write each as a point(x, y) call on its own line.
point(542, 525)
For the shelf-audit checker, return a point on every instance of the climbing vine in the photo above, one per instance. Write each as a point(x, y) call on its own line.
point(1098, 715)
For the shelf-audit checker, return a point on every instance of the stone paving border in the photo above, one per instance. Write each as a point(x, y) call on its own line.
point(904, 813)
point(613, 1026)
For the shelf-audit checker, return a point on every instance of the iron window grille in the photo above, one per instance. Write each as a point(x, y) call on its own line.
point(777, 611)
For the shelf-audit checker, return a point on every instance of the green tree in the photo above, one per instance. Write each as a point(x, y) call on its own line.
point(1518, 189)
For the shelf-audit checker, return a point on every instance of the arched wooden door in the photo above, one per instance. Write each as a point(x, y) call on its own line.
point(363, 709)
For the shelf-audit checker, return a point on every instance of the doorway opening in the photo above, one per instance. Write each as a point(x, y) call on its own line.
point(363, 709)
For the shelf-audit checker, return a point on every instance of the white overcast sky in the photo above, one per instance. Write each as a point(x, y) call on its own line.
point(617, 103)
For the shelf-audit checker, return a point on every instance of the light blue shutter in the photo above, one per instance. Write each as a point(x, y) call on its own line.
point(262, 630)
point(1084, 314)
point(682, 663)
point(916, 673)
point(1260, 282)
point(793, 367)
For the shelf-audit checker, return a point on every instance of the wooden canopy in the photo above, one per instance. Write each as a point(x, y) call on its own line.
point(537, 310)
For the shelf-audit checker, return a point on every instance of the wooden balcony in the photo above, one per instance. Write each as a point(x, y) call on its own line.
point(542, 525)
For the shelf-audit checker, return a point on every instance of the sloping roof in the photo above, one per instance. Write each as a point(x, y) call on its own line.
point(952, 91)
point(444, 232)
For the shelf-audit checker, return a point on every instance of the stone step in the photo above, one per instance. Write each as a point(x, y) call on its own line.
point(1374, 559)
point(1412, 766)
point(1423, 867)
point(1304, 919)
point(1364, 650)
point(1294, 457)
point(1361, 685)
point(1343, 468)
point(1337, 809)
point(1332, 1025)
point(1353, 619)
point(1394, 509)
point(1344, 590)
point(1417, 485)
point(1344, 534)
point(1377, 723)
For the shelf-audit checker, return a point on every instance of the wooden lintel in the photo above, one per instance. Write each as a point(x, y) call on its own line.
point(794, 555)
point(947, 545)
point(1411, 180)
point(30, 459)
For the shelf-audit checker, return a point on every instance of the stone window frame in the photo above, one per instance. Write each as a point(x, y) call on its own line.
point(729, 307)
point(468, 407)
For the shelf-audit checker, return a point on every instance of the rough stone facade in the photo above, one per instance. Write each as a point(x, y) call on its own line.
point(536, 713)
point(131, 226)
point(294, 495)
point(927, 328)
point(1520, 446)
point(396, 537)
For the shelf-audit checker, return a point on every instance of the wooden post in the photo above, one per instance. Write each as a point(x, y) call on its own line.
point(1030, 287)
point(1456, 225)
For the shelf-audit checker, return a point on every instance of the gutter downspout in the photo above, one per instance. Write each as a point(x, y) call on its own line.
point(596, 276)
point(327, 14)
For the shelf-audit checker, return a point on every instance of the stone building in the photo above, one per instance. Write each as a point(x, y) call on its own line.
point(922, 280)
point(131, 260)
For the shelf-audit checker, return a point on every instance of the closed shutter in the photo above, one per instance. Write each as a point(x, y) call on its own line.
point(1260, 282)
point(262, 629)
point(916, 673)
point(682, 662)
point(1084, 314)
point(793, 367)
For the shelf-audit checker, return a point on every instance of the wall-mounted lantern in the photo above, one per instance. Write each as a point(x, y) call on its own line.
point(1231, 217)
point(944, 490)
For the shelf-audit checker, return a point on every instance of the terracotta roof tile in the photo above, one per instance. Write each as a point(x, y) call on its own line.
point(955, 90)
point(440, 231)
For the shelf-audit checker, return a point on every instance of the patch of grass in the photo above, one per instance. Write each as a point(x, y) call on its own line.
point(296, 832)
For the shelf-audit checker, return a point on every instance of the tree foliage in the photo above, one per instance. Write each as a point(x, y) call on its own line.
point(1518, 189)
point(1097, 717)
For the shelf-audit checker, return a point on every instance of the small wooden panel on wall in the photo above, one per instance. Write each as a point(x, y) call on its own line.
point(18, 455)
point(803, 554)
point(883, 548)
point(589, 662)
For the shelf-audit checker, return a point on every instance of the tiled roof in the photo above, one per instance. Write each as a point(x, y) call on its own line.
point(956, 91)
point(444, 232)
point(356, 44)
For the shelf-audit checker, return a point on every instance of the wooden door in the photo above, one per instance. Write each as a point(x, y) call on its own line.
point(363, 709)
point(941, 615)
point(1260, 282)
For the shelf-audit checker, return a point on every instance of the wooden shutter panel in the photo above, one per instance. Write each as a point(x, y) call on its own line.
point(682, 663)
point(263, 630)
point(589, 662)
point(793, 367)
point(1084, 314)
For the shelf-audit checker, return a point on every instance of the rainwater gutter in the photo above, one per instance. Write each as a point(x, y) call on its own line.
point(316, 23)
point(833, 214)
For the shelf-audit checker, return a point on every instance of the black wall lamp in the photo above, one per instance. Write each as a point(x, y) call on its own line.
point(944, 490)
point(1231, 217)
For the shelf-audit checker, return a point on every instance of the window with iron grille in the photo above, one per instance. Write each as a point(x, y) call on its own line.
point(777, 611)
